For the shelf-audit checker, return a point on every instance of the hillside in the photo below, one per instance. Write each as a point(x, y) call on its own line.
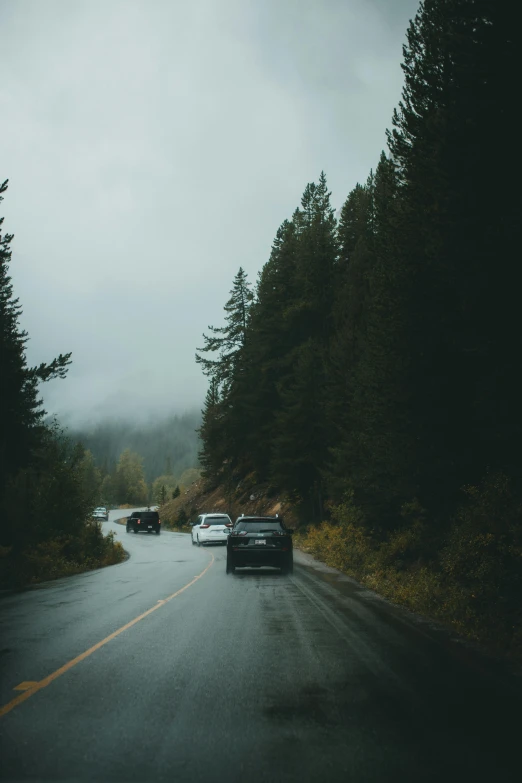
point(247, 498)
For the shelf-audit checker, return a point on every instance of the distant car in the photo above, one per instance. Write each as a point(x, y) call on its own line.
point(211, 529)
point(147, 521)
point(260, 541)
point(100, 513)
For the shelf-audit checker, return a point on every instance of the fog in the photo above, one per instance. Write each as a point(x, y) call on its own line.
point(153, 147)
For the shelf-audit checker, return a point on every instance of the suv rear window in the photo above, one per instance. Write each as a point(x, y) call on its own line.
point(148, 515)
point(216, 520)
point(259, 525)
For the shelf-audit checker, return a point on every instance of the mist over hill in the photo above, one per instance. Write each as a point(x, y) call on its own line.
point(165, 442)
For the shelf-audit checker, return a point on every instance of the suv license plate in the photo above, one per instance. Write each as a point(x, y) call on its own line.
point(260, 542)
point(150, 527)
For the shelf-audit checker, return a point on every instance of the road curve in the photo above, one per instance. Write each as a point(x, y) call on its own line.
point(163, 668)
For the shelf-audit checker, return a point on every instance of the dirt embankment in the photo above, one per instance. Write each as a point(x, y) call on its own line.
point(245, 498)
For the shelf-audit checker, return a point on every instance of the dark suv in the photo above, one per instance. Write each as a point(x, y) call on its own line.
point(260, 541)
point(144, 520)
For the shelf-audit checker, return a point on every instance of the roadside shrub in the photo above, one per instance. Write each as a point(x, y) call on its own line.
point(469, 574)
point(180, 520)
point(343, 543)
point(58, 557)
point(482, 560)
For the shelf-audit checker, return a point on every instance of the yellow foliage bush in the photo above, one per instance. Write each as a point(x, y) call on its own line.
point(469, 577)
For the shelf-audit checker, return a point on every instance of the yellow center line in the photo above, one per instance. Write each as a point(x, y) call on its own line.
point(38, 686)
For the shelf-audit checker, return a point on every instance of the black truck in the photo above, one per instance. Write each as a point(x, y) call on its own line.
point(147, 521)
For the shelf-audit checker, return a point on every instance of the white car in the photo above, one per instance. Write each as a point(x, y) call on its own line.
point(100, 513)
point(211, 529)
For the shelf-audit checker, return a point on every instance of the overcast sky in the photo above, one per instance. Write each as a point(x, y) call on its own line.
point(153, 147)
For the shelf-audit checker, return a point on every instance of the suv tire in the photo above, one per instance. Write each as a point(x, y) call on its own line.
point(230, 569)
point(288, 566)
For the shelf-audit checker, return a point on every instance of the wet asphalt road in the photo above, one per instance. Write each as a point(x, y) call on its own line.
point(247, 677)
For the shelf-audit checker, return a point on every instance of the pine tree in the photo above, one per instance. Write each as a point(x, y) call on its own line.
point(311, 324)
point(22, 431)
point(299, 438)
point(91, 476)
point(211, 433)
point(349, 306)
point(228, 341)
point(163, 495)
point(227, 371)
point(316, 261)
point(271, 338)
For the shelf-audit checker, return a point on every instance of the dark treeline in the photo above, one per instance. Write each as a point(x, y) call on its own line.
point(378, 355)
point(47, 483)
point(168, 444)
point(373, 373)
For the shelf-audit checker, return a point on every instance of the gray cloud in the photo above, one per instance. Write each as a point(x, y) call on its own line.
point(154, 147)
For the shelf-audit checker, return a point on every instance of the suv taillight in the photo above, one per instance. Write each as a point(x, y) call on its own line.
point(202, 526)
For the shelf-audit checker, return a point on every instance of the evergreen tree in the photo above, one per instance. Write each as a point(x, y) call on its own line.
point(49, 495)
point(271, 338)
point(349, 303)
point(211, 433)
point(224, 415)
point(367, 391)
point(22, 433)
point(302, 387)
point(299, 442)
point(91, 477)
point(163, 495)
point(228, 341)
point(316, 262)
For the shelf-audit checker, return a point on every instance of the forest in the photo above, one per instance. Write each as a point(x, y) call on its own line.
point(371, 372)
